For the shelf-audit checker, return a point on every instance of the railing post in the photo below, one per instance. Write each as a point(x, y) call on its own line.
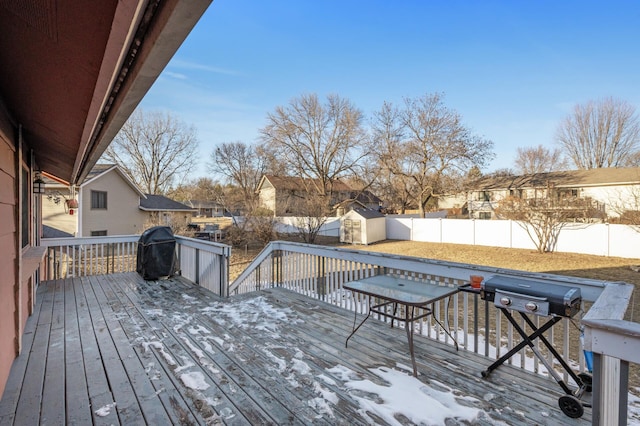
point(321, 286)
point(258, 286)
point(224, 273)
point(276, 268)
point(197, 272)
point(610, 388)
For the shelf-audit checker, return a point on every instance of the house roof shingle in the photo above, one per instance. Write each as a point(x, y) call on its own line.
point(571, 178)
point(297, 183)
point(162, 203)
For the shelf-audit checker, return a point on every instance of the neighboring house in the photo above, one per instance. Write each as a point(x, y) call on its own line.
point(206, 208)
point(165, 211)
point(284, 195)
point(109, 203)
point(612, 191)
point(71, 74)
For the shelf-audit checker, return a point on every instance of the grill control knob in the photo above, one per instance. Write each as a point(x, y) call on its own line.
point(504, 300)
point(531, 306)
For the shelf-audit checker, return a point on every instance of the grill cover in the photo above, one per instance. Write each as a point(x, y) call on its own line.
point(156, 253)
point(563, 300)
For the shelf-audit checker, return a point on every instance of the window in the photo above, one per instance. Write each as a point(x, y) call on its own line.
point(484, 215)
point(99, 233)
point(484, 196)
point(98, 199)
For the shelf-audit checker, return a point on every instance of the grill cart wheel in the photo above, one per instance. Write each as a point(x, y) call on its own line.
point(571, 406)
point(587, 381)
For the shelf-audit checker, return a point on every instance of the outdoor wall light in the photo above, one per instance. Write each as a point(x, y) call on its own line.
point(38, 185)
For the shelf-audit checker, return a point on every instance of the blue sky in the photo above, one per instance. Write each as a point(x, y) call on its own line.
point(512, 69)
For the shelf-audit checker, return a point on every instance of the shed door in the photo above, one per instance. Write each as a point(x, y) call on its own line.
point(352, 231)
point(357, 232)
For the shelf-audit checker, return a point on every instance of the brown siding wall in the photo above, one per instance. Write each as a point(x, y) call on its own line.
point(8, 236)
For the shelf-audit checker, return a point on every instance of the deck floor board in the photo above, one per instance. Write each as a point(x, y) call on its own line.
point(114, 349)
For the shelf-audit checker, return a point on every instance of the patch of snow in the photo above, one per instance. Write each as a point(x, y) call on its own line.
point(407, 396)
point(105, 410)
point(196, 350)
point(160, 348)
point(326, 379)
point(326, 394)
point(186, 364)
point(218, 340)
point(633, 408)
point(227, 413)
point(343, 373)
point(194, 380)
point(198, 329)
point(208, 347)
point(281, 364)
point(300, 367)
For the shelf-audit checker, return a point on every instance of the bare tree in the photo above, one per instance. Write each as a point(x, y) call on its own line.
point(424, 143)
point(314, 213)
point(240, 165)
point(387, 142)
point(544, 218)
point(600, 134)
point(155, 149)
point(539, 160)
point(202, 189)
point(322, 142)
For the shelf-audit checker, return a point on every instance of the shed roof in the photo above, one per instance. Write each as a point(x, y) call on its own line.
point(368, 213)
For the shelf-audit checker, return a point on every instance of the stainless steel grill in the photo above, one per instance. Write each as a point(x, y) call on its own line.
point(543, 299)
point(534, 297)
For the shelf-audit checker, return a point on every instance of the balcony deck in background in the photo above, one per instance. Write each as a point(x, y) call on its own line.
point(114, 349)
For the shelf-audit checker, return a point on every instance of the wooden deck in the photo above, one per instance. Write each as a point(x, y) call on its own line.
point(115, 349)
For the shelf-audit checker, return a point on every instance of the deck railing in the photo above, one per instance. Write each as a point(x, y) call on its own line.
point(203, 262)
point(319, 272)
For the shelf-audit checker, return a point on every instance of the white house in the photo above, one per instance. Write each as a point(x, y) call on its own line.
point(613, 191)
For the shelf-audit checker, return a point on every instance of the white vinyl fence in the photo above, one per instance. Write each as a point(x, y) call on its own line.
point(290, 225)
point(601, 239)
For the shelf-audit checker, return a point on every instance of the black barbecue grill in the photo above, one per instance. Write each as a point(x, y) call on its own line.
point(542, 299)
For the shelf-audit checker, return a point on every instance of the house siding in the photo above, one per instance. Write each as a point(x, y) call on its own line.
point(122, 215)
point(57, 215)
point(268, 197)
point(8, 238)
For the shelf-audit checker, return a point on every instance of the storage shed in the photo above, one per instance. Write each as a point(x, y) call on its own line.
point(363, 226)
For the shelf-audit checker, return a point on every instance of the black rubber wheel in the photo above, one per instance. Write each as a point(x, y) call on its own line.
point(587, 381)
point(485, 374)
point(571, 406)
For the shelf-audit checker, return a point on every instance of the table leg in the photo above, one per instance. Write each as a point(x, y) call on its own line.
point(408, 325)
point(355, 315)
